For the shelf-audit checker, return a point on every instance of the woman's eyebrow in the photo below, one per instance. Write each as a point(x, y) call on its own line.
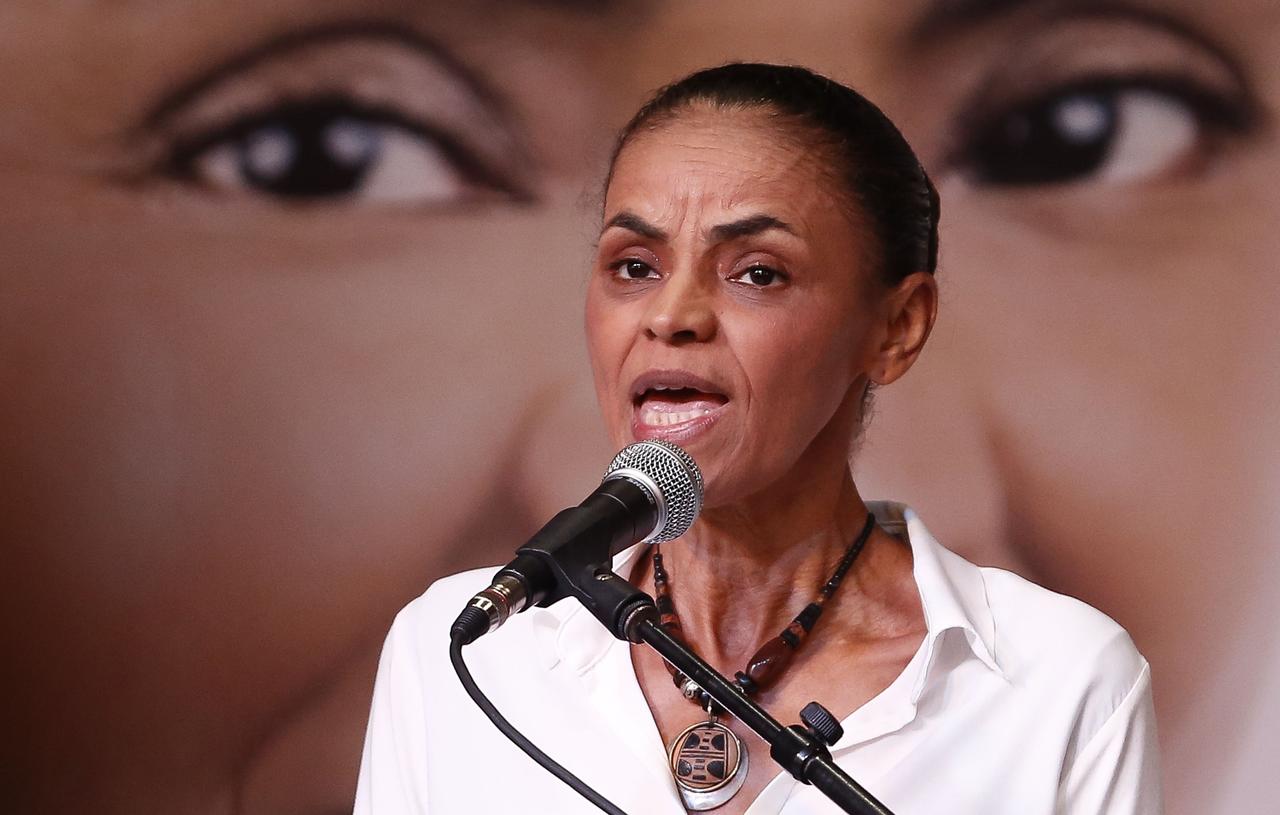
point(388, 32)
point(634, 223)
point(745, 227)
point(741, 228)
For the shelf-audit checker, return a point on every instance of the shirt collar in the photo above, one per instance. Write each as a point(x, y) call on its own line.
point(952, 593)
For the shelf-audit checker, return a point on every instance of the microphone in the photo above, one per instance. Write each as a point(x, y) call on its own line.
point(651, 493)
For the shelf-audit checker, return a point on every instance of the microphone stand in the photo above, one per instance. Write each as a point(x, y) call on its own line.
point(632, 615)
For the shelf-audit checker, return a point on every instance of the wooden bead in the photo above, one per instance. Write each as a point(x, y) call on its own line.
point(769, 662)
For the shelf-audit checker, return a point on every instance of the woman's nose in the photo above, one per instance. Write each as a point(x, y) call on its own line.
point(681, 311)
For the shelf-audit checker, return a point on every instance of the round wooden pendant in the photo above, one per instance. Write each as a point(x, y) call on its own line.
point(709, 765)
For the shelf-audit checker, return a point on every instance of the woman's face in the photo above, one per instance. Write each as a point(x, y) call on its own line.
point(263, 266)
point(730, 306)
point(248, 412)
point(1096, 408)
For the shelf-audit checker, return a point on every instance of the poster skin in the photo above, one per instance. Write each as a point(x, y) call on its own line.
point(290, 325)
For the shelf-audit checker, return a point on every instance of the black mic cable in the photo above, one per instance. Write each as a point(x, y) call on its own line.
point(517, 738)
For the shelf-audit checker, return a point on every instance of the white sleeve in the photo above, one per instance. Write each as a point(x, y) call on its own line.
point(1118, 771)
point(394, 756)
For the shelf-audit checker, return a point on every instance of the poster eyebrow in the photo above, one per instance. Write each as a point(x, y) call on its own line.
point(943, 18)
point(395, 34)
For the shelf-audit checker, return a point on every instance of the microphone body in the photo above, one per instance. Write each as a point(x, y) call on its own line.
point(616, 515)
point(651, 492)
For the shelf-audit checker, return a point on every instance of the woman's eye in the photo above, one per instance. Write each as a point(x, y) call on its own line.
point(1110, 132)
point(332, 149)
point(761, 276)
point(633, 269)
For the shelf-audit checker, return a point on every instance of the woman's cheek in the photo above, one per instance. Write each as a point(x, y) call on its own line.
point(222, 417)
point(1119, 380)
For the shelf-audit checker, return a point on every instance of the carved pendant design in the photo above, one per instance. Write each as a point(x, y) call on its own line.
point(709, 764)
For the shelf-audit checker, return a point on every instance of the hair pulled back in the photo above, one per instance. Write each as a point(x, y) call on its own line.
point(880, 173)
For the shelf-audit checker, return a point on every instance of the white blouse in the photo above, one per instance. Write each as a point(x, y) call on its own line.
point(1019, 701)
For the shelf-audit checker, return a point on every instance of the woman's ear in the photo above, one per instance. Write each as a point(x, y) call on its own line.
point(909, 312)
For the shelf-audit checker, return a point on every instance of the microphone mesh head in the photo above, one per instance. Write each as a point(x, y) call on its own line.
point(677, 477)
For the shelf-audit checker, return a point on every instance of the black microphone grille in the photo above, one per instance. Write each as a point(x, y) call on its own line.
point(673, 473)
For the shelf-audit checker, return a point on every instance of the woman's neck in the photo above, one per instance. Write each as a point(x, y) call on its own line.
point(743, 572)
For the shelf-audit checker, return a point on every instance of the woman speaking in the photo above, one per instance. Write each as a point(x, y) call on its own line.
point(766, 260)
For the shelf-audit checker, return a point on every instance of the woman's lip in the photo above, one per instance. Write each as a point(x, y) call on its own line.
point(675, 425)
point(673, 379)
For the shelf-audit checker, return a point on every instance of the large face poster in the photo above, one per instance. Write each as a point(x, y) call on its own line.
point(290, 326)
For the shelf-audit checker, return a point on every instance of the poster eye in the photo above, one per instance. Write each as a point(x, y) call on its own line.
point(1105, 131)
point(335, 150)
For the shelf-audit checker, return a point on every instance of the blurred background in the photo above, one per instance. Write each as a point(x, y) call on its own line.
point(290, 326)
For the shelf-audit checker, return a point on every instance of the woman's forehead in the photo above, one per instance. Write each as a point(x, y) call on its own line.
point(740, 134)
point(730, 162)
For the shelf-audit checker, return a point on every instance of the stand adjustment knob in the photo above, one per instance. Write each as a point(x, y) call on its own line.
point(821, 723)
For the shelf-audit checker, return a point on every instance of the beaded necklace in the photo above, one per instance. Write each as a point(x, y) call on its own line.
point(707, 759)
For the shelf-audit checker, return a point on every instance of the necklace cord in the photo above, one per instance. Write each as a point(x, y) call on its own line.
point(771, 660)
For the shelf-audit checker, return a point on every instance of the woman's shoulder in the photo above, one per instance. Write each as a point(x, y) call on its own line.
point(1059, 647)
point(1032, 632)
point(1034, 622)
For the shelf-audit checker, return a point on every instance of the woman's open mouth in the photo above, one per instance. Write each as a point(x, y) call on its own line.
point(664, 408)
point(674, 405)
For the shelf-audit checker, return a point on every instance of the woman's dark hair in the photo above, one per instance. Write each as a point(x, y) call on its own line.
point(880, 173)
